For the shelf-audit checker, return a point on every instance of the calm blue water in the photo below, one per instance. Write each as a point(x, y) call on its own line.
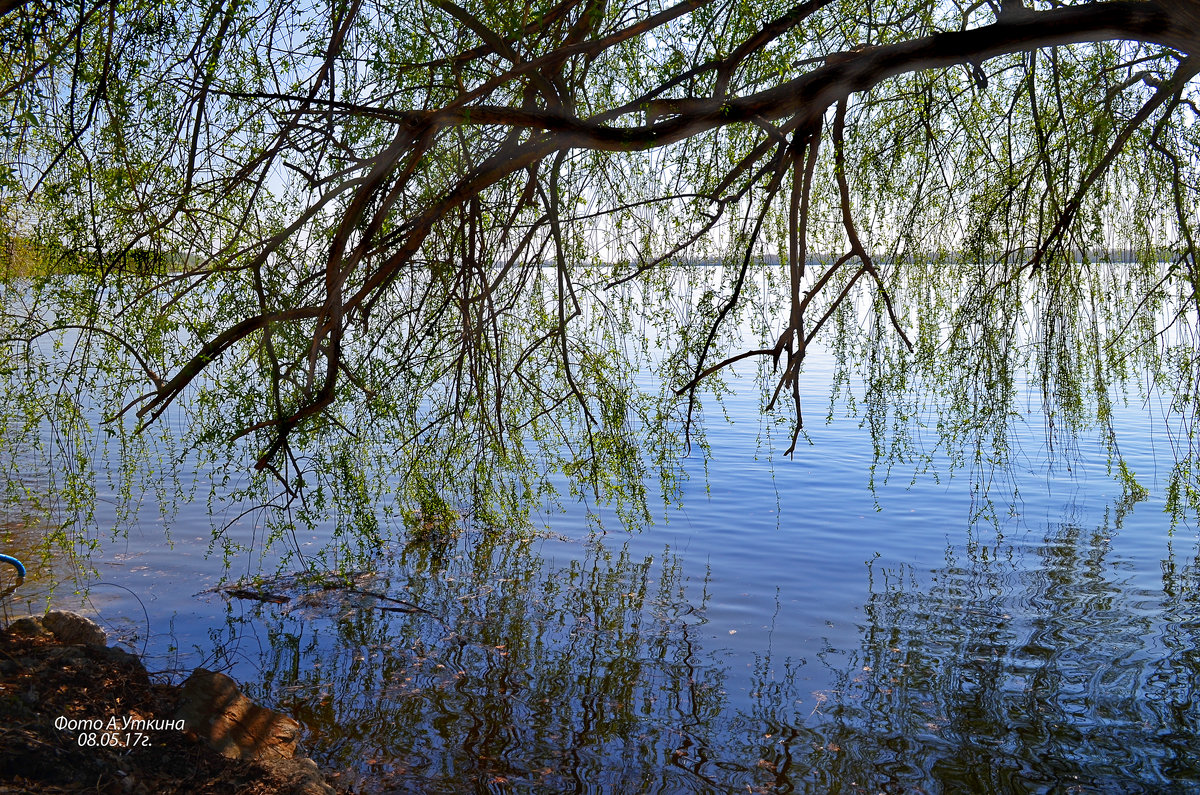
point(786, 629)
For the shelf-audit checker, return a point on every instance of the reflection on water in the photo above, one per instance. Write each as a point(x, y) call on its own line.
point(1033, 665)
point(1027, 667)
point(785, 630)
point(585, 676)
point(24, 536)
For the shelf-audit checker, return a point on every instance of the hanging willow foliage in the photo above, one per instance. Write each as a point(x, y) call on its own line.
point(429, 244)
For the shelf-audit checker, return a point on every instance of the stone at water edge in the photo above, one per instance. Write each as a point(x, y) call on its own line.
point(73, 628)
point(29, 627)
point(216, 711)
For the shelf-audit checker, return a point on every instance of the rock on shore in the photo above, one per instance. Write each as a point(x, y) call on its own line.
point(77, 714)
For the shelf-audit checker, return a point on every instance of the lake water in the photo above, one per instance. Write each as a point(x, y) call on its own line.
point(785, 630)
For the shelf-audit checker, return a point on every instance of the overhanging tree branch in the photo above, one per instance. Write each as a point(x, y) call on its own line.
point(392, 197)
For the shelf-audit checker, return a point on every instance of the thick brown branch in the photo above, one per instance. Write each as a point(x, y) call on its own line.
point(212, 350)
point(807, 97)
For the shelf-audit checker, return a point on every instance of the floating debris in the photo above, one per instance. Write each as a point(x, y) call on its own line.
point(259, 596)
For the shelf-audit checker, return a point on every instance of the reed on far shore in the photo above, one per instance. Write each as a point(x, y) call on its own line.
point(24, 257)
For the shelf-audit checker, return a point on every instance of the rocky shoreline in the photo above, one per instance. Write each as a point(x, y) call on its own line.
point(76, 714)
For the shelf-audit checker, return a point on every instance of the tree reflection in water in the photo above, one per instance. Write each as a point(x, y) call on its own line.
point(1027, 666)
point(1024, 665)
point(581, 676)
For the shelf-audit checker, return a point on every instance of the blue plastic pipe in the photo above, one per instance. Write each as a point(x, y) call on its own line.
point(20, 567)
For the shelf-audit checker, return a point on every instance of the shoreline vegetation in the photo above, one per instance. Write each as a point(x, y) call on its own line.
point(22, 257)
point(25, 258)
